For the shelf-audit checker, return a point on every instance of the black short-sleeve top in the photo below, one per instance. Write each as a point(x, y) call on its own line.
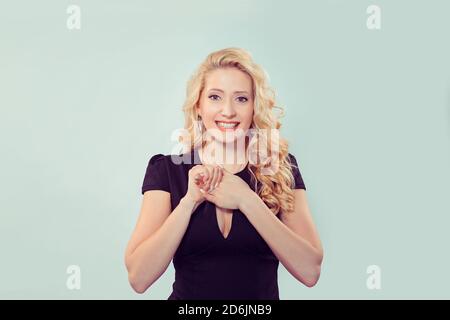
point(208, 265)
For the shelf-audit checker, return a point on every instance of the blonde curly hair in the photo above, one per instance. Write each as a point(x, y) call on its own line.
point(275, 189)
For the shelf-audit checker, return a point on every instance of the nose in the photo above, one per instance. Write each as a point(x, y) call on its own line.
point(228, 110)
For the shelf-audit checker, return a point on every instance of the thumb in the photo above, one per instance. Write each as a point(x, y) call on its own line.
point(207, 196)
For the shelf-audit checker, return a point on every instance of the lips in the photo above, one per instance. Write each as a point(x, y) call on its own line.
point(227, 125)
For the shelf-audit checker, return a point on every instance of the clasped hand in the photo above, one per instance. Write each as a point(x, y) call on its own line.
point(217, 185)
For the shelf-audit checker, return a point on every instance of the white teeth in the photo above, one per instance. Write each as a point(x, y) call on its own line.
point(227, 125)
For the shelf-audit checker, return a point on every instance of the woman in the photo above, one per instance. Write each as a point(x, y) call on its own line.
point(225, 220)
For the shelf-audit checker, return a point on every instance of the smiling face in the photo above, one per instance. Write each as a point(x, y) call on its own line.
point(226, 103)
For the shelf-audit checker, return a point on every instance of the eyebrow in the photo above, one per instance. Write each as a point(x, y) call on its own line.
point(220, 90)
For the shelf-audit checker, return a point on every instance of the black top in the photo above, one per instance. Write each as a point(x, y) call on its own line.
point(207, 265)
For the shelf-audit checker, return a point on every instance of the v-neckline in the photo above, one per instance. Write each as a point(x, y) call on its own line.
point(241, 173)
point(217, 223)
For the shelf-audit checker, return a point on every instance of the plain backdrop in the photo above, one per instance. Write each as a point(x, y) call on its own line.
point(367, 115)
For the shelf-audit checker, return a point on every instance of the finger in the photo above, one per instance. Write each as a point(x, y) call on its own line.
point(204, 182)
point(199, 179)
point(207, 180)
point(198, 176)
point(219, 177)
point(215, 179)
point(225, 171)
point(209, 197)
point(206, 176)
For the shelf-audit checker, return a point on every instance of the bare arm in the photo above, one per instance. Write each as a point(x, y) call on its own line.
point(157, 236)
point(294, 239)
point(158, 232)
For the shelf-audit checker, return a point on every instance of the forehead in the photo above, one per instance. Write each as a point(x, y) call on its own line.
point(228, 79)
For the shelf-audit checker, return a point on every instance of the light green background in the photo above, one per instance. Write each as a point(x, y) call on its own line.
point(367, 116)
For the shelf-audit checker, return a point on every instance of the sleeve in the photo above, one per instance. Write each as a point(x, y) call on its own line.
point(156, 176)
point(298, 180)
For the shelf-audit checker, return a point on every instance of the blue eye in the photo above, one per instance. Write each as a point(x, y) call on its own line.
point(214, 97)
point(242, 99)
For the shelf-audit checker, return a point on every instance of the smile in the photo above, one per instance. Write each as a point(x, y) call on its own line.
point(224, 126)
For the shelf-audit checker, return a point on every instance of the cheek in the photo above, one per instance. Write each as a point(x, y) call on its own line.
point(247, 115)
point(209, 118)
point(208, 111)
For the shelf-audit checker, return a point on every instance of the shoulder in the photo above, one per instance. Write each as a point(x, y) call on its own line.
point(163, 158)
point(157, 158)
point(291, 159)
point(157, 162)
point(170, 161)
point(299, 183)
point(164, 173)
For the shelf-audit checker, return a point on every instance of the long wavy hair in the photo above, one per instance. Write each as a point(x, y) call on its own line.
point(276, 188)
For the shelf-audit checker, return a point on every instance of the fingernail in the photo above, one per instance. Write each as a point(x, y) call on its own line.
point(216, 185)
point(202, 191)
